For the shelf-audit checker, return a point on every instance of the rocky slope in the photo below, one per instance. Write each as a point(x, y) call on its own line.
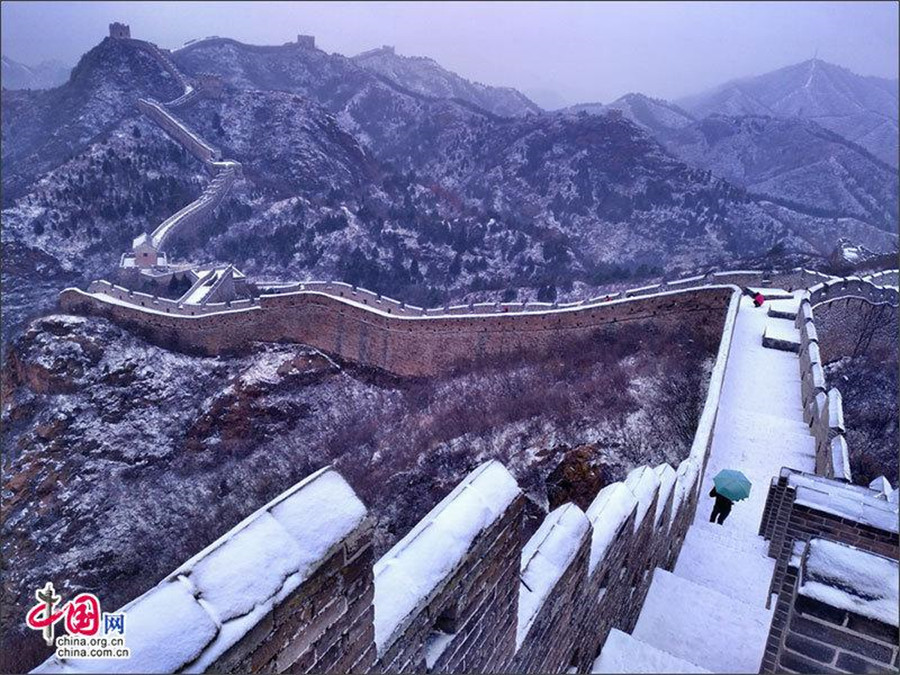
point(113, 445)
point(425, 76)
point(41, 130)
point(861, 109)
point(794, 161)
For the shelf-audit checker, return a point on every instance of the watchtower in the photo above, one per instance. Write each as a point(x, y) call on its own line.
point(146, 254)
point(209, 85)
point(120, 31)
point(308, 41)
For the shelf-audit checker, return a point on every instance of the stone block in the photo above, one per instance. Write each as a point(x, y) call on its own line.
point(843, 639)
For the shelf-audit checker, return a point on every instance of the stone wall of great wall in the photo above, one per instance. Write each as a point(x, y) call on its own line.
point(373, 330)
point(403, 345)
point(826, 509)
point(286, 590)
point(225, 172)
point(460, 592)
point(823, 407)
point(295, 587)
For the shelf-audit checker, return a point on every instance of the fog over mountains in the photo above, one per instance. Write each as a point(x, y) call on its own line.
point(44, 75)
point(862, 109)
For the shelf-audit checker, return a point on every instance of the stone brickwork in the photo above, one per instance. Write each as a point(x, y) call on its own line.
point(829, 637)
point(447, 596)
point(184, 136)
point(807, 635)
point(119, 31)
point(443, 608)
point(288, 588)
point(412, 346)
point(849, 312)
point(801, 507)
point(360, 325)
point(552, 593)
point(186, 220)
point(293, 587)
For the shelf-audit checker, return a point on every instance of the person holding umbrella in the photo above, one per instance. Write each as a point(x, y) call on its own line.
point(729, 486)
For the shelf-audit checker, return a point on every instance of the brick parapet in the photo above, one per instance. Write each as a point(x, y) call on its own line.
point(810, 636)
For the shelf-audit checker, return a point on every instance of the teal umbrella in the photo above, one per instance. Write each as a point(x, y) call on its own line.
point(732, 484)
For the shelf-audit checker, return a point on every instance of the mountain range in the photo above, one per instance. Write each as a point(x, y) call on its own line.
point(861, 109)
point(424, 76)
point(45, 75)
point(395, 174)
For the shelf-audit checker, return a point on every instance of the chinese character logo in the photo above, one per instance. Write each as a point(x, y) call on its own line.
point(41, 617)
point(82, 614)
point(113, 623)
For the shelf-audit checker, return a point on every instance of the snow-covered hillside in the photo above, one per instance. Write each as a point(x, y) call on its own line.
point(425, 76)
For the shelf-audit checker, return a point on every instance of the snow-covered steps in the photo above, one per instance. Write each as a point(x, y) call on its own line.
point(624, 654)
point(724, 562)
point(729, 535)
point(781, 335)
point(784, 309)
point(700, 625)
point(775, 426)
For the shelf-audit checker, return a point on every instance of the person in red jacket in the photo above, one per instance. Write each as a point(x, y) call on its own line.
point(758, 298)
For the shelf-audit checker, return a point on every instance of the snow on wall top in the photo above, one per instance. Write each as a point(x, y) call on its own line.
point(838, 499)
point(206, 605)
point(643, 483)
point(882, 485)
point(685, 479)
point(545, 558)
point(434, 548)
point(714, 392)
point(666, 476)
point(848, 578)
point(607, 513)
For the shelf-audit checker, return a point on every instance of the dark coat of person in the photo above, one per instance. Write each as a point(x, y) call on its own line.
point(721, 509)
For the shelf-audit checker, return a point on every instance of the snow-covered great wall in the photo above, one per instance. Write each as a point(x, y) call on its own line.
point(224, 172)
point(295, 586)
point(372, 330)
point(625, 586)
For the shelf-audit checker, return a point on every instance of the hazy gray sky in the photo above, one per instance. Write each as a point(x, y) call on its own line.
point(580, 51)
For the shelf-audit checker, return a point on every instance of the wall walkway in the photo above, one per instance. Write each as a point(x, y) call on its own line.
point(225, 171)
point(712, 613)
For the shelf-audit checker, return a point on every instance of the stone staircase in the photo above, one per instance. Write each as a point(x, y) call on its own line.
point(709, 614)
point(781, 333)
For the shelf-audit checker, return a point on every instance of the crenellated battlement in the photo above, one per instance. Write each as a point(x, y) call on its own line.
point(293, 586)
point(376, 331)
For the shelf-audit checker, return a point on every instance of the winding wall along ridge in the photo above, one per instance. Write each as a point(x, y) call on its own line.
point(360, 326)
point(224, 171)
point(823, 406)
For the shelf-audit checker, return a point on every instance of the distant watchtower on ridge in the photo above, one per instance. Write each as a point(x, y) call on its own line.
point(120, 31)
point(308, 41)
